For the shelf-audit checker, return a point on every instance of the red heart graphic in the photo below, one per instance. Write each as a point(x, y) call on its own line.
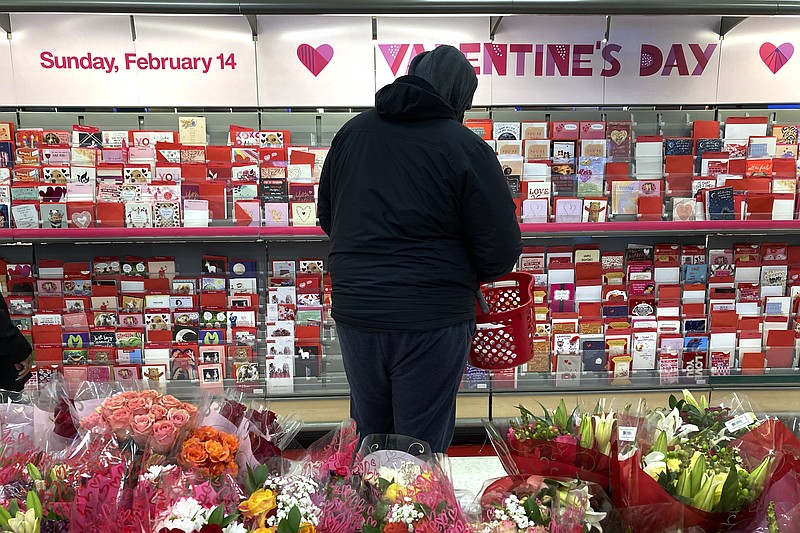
point(775, 57)
point(315, 59)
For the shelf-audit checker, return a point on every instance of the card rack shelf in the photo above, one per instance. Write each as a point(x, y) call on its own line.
point(315, 233)
point(317, 128)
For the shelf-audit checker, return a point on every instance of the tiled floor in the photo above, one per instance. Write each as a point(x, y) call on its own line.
point(470, 473)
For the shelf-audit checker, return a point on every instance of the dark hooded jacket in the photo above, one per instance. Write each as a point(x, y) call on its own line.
point(14, 348)
point(418, 212)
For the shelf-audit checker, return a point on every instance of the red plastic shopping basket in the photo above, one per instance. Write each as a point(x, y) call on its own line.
point(504, 335)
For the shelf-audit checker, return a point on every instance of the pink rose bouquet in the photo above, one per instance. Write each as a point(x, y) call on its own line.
point(147, 417)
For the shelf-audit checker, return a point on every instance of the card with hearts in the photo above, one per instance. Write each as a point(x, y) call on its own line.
point(166, 215)
point(304, 214)
point(620, 137)
point(568, 210)
point(137, 174)
point(683, 209)
point(56, 175)
point(52, 193)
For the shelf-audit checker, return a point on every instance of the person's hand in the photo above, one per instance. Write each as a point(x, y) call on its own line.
point(24, 367)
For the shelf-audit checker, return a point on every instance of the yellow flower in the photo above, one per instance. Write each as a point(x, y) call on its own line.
point(394, 492)
point(305, 527)
point(259, 503)
point(694, 459)
point(719, 478)
point(265, 530)
point(674, 464)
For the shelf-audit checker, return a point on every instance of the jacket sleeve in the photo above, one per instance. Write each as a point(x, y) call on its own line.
point(489, 217)
point(14, 347)
point(324, 208)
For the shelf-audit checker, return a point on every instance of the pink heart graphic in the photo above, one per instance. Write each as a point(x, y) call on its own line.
point(775, 57)
point(315, 59)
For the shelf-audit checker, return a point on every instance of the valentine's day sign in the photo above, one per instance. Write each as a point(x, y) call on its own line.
point(315, 61)
point(547, 60)
point(400, 39)
point(219, 52)
point(331, 61)
point(759, 62)
point(663, 60)
point(62, 60)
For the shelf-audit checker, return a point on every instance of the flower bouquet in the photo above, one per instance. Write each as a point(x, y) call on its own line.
point(188, 515)
point(281, 503)
point(210, 452)
point(534, 504)
point(330, 462)
point(694, 457)
point(559, 444)
point(145, 418)
point(406, 488)
point(55, 427)
point(263, 434)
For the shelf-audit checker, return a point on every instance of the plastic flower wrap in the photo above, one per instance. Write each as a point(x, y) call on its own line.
point(55, 425)
point(160, 486)
point(694, 456)
point(535, 504)
point(558, 443)
point(92, 477)
point(267, 434)
point(406, 488)
point(17, 421)
point(330, 463)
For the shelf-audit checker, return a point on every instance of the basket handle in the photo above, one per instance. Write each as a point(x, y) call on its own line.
point(482, 301)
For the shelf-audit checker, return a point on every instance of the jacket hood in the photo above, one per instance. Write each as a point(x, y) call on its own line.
point(412, 98)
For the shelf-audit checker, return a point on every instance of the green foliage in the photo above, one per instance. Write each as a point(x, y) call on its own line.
point(256, 478)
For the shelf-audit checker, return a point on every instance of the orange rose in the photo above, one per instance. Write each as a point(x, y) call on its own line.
point(194, 452)
point(217, 469)
point(231, 442)
point(305, 527)
point(205, 433)
point(217, 452)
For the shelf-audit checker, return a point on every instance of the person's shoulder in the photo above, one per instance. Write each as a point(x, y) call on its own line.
point(359, 121)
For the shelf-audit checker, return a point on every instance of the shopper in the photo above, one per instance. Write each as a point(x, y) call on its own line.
point(16, 354)
point(419, 213)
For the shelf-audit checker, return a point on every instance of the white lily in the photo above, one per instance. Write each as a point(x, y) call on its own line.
point(603, 424)
point(593, 519)
point(672, 425)
point(24, 522)
point(654, 464)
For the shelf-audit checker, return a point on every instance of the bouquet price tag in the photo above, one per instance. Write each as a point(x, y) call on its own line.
point(626, 433)
point(740, 422)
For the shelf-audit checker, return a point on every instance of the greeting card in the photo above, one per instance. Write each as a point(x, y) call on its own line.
point(595, 209)
point(625, 197)
point(568, 210)
point(166, 215)
point(138, 215)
